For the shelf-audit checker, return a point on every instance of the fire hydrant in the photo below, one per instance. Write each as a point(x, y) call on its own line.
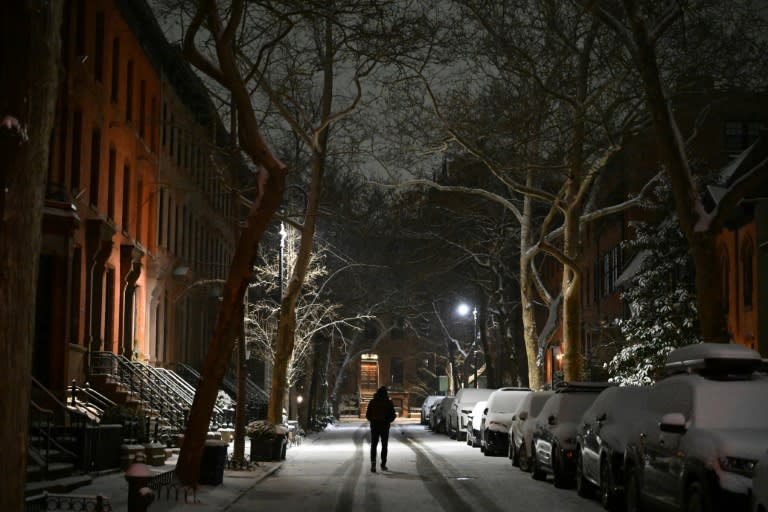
point(140, 496)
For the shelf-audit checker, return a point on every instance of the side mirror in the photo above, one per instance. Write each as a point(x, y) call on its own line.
point(485, 411)
point(551, 420)
point(523, 415)
point(673, 423)
point(601, 417)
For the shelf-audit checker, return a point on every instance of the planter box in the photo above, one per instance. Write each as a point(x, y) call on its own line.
point(268, 449)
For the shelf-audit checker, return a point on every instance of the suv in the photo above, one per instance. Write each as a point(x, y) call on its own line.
point(425, 407)
point(553, 447)
point(521, 431)
point(601, 439)
point(705, 429)
point(462, 406)
point(502, 404)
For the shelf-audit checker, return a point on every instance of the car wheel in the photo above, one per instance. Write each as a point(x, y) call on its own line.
point(514, 455)
point(583, 486)
point(608, 498)
point(536, 472)
point(632, 492)
point(523, 459)
point(558, 469)
point(697, 499)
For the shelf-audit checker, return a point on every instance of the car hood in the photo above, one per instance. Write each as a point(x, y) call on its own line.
point(741, 443)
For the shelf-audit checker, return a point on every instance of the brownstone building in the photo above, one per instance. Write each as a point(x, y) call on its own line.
point(139, 224)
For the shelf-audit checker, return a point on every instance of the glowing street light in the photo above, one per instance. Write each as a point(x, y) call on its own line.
point(463, 310)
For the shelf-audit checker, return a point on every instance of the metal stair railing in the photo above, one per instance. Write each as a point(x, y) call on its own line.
point(167, 404)
point(132, 376)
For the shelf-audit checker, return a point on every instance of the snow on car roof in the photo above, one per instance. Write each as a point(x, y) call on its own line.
point(713, 357)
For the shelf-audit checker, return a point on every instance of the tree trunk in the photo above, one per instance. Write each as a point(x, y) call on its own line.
point(530, 335)
point(241, 407)
point(29, 56)
point(701, 243)
point(227, 328)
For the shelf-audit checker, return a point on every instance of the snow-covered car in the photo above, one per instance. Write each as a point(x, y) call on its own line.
point(437, 414)
point(553, 446)
point(502, 404)
point(760, 485)
point(521, 430)
point(706, 428)
point(601, 438)
point(475, 423)
point(425, 407)
point(465, 400)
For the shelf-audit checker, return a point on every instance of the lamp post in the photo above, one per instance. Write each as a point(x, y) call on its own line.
point(463, 310)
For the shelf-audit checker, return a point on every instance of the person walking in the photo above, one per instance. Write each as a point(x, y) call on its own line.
point(380, 413)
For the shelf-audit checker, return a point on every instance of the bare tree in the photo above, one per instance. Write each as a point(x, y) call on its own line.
point(30, 52)
point(656, 36)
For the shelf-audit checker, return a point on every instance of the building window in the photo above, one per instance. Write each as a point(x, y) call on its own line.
point(77, 135)
point(98, 48)
point(396, 371)
point(161, 217)
point(142, 109)
point(126, 206)
point(112, 178)
point(80, 29)
point(747, 265)
point(115, 69)
point(739, 135)
point(129, 92)
point(724, 281)
point(139, 210)
point(95, 167)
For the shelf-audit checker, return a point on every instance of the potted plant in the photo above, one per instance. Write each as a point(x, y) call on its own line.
point(268, 441)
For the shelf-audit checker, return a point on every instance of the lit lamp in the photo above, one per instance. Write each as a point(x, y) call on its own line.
point(463, 310)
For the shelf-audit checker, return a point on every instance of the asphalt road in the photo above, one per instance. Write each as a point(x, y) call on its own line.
point(427, 472)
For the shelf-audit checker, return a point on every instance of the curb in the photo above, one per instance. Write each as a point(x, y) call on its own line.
point(248, 489)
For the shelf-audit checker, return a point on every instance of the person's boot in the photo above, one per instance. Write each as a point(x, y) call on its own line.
point(373, 467)
point(383, 465)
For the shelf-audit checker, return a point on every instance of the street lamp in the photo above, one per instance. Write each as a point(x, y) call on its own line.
point(463, 310)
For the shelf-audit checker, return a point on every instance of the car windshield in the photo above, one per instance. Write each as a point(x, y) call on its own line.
point(537, 403)
point(573, 405)
point(732, 404)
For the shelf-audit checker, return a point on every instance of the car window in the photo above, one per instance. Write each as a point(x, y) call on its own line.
point(537, 403)
point(671, 395)
point(573, 405)
point(731, 404)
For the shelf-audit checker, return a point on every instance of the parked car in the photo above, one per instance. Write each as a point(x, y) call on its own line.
point(760, 486)
point(706, 428)
point(440, 414)
point(475, 423)
point(465, 400)
point(502, 404)
point(601, 438)
point(434, 415)
point(521, 430)
point(553, 447)
point(425, 407)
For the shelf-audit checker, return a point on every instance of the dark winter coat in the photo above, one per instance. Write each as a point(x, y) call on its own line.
point(381, 411)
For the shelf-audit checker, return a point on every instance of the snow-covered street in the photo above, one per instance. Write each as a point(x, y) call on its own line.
point(427, 471)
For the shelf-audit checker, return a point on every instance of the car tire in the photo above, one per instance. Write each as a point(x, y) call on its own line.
point(697, 499)
point(632, 500)
point(608, 497)
point(524, 460)
point(514, 455)
point(561, 480)
point(536, 472)
point(584, 487)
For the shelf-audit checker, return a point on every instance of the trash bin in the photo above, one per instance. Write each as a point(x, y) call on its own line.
point(266, 449)
point(212, 462)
